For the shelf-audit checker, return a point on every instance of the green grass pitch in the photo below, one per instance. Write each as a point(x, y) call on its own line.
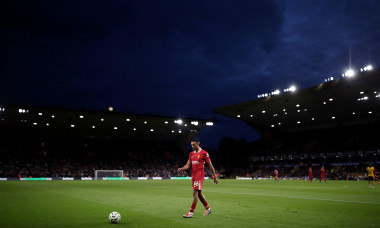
point(161, 203)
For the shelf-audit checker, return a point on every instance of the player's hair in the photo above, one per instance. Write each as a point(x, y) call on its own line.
point(195, 140)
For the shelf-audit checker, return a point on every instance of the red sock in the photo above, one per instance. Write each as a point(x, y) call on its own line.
point(192, 209)
point(206, 205)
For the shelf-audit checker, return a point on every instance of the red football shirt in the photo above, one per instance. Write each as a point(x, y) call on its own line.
point(323, 173)
point(198, 160)
point(310, 172)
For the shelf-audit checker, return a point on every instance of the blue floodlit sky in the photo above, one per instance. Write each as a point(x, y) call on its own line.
point(179, 58)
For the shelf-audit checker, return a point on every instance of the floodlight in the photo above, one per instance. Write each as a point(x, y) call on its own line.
point(276, 92)
point(349, 73)
point(367, 68)
point(194, 123)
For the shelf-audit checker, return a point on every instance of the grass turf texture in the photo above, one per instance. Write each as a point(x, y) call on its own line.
point(161, 203)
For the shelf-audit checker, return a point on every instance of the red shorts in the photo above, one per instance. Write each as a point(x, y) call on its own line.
point(197, 184)
point(276, 176)
point(323, 175)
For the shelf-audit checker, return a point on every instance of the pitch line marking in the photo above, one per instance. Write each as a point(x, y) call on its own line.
point(307, 198)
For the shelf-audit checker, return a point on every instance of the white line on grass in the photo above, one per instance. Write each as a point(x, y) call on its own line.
point(297, 197)
point(345, 201)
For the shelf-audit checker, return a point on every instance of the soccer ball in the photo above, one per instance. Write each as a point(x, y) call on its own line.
point(114, 217)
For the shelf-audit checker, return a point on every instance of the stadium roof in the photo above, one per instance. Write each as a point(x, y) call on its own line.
point(345, 101)
point(54, 121)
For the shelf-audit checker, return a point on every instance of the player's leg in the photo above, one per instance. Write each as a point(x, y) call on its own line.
point(369, 182)
point(195, 200)
point(190, 214)
point(202, 198)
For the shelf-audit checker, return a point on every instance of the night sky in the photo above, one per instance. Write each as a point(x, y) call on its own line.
point(178, 58)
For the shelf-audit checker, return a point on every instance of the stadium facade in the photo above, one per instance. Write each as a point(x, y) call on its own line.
point(55, 143)
point(345, 101)
point(17, 119)
point(335, 124)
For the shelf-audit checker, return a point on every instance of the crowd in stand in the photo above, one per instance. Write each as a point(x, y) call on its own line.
point(80, 157)
point(67, 168)
point(166, 168)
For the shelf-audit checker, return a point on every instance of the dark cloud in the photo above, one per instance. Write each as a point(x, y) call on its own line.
point(177, 57)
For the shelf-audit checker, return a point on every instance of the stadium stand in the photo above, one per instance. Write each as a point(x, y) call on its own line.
point(50, 142)
point(335, 124)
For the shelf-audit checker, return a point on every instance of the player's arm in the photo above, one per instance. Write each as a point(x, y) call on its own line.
point(187, 166)
point(209, 164)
